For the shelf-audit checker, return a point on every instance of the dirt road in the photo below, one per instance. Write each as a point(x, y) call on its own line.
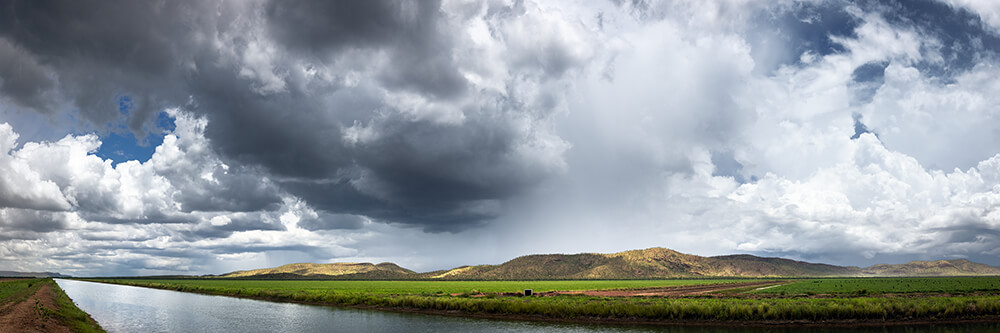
point(33, 314)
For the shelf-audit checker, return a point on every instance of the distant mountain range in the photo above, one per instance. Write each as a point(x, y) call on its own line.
point(653, 263)
point(30, 274)
point(955, 267)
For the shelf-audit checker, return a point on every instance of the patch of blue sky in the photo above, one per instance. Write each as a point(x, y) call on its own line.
point(781, 38)
point(812, 27)
point(119, 144)
point(959, 36)
point(866, 80)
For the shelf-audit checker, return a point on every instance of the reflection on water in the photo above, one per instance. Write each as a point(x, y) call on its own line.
point(133, 309)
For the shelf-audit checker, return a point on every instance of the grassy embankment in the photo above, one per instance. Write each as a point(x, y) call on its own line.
point(64, 312)
point(816, 301)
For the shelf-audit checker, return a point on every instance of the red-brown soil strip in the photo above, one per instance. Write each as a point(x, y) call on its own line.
point(30, 315)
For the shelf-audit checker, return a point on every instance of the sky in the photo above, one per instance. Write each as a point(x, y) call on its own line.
point(202, 137)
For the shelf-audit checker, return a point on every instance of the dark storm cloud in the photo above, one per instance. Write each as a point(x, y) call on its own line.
point(974, 234)
point(442, 176)
point(286, 133)
point(235, 190)
point(972, 228)
point(327, 221)
point(328, 26)
point(270, 116)
point(425, 171)
point(241, 196)
point(424, 162)
point(410, 31)
point(101, 50)
point(434, 215)
point(23, 80)
point(417, 172)
point(34, 221)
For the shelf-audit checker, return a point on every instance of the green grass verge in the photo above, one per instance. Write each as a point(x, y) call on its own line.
point(735, 309)
point(70, 315)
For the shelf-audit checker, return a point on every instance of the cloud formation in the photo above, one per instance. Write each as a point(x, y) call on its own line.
point(388, 131)
point(20, 185)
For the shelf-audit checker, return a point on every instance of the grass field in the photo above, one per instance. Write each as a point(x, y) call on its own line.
point(864, 286)
point(748, 306)
point(425, 288)
point(17, 290)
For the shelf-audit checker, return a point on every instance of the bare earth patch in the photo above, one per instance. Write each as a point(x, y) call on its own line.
point(33, 314)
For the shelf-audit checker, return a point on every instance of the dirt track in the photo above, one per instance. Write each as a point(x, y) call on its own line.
point(677, 291)
point(30, 315)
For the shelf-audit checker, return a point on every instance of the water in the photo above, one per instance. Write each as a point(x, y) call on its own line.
point(133, 309)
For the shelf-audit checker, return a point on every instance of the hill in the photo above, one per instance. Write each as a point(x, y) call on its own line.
point(956, 267)
point(653, 263)
point(640, 264)
point(30, 274)
point(327, 271)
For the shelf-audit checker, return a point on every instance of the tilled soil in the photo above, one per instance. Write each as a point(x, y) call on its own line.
point(30, 315)
point(678, 291)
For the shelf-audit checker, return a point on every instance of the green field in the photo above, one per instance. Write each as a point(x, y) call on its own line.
point(863, 286)
point(13, 291)
point(748, 305)
point(425, 288)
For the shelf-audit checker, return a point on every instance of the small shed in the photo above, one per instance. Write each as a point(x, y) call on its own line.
point(527, 292)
